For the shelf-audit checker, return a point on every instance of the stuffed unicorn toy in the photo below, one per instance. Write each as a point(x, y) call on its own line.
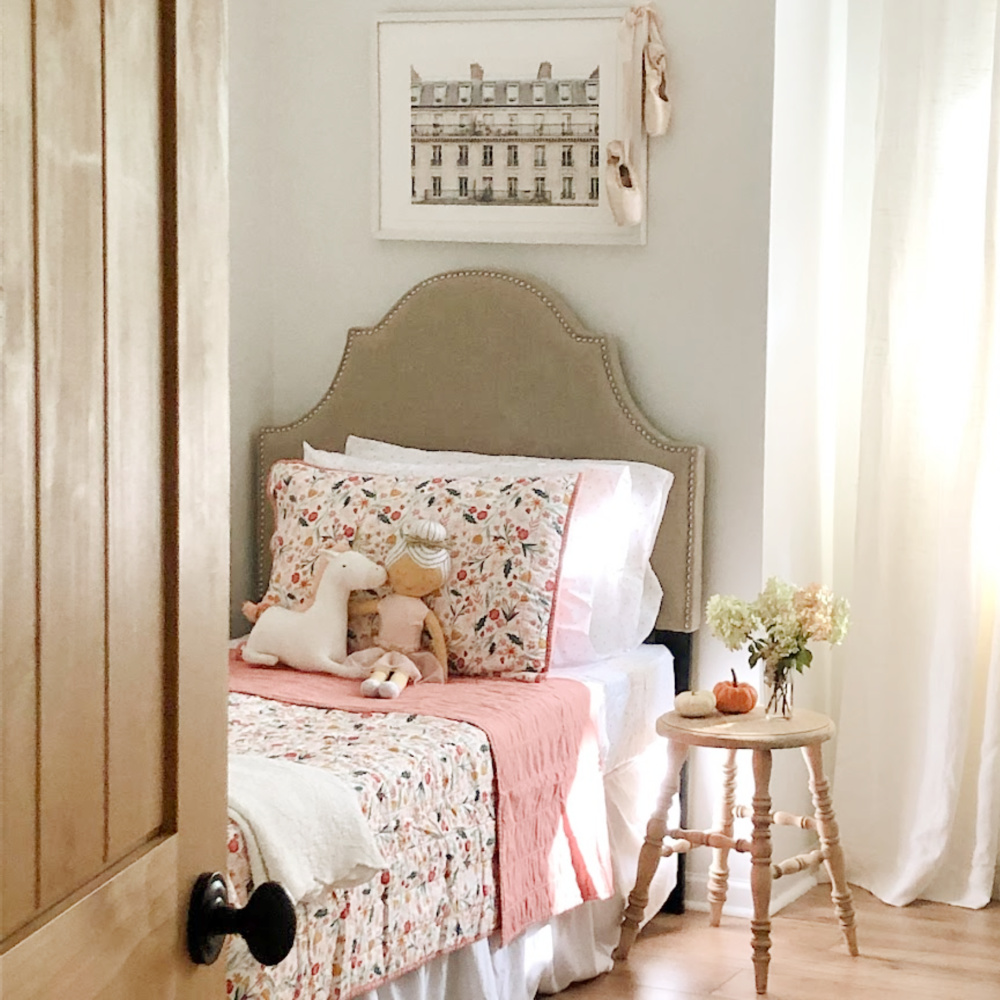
point(316, 638)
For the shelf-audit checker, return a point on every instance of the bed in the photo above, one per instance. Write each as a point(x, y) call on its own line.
point(511, 372)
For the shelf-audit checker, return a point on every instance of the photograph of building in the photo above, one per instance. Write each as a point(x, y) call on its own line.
point(505, 142)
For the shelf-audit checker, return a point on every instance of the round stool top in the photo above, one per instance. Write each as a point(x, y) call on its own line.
point(751, 731)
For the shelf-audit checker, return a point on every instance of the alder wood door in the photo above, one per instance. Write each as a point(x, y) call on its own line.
point(115, 457)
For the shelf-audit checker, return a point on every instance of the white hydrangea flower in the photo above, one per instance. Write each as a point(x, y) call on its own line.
point(775, 599)
point(731, 620)
point(779, 624)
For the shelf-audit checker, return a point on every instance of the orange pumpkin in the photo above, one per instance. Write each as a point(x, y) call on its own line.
point(734, 697)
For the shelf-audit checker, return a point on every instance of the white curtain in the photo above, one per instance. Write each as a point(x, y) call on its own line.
point(882, 470)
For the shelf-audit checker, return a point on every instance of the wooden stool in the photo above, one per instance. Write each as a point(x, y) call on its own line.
point(761, 735)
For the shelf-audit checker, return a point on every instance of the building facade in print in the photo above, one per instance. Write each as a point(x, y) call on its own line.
point(505, 142)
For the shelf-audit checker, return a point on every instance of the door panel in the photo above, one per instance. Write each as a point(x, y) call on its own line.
point(116, 943)
point(17, 509)
point(135, 440)
point(70, 444)
point(114, 305)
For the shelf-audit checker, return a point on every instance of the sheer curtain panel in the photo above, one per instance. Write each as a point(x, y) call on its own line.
point(883, 459)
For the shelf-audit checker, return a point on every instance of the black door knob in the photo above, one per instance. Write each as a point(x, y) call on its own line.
point(267, 922)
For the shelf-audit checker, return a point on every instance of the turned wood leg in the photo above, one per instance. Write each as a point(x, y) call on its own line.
point(718, 874)
point(649, 854)
point(760, 871)
point(829, 838)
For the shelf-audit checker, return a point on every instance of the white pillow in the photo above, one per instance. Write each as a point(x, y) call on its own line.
point(594, 553)
point(630, 597)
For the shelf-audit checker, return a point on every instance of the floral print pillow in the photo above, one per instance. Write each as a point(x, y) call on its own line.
point(505, 535)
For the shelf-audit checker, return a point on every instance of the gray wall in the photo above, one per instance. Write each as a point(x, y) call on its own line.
point(689, 309)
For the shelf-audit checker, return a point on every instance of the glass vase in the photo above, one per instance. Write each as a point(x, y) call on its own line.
point(778, 692)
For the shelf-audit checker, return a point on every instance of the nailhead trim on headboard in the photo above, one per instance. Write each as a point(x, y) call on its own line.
point(620, 397)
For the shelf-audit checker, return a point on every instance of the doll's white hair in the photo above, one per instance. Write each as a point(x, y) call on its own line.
point(426, 543)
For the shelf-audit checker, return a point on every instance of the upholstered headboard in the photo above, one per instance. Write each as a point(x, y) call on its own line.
point(492, 362)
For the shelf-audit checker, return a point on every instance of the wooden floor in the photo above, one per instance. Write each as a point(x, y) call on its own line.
point(925, 950)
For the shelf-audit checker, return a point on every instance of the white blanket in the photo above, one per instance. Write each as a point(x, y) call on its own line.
point(303, 826)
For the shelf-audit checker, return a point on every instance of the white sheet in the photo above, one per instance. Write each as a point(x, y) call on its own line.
point(630, 692)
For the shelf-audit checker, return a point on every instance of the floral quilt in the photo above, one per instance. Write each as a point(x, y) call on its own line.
point(426, 786)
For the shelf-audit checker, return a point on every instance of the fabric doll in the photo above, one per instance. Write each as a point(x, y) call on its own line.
point(417, 565)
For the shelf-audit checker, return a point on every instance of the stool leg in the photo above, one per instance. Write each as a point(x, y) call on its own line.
point(760, 871)
point(649, 854)
point(829, 838)
point(718, 874)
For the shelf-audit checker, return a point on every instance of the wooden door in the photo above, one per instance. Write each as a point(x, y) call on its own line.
point(115, 457)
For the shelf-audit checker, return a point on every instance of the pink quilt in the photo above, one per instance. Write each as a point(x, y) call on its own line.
point(552, 837)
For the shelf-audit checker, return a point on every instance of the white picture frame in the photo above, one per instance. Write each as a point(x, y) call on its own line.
point(522, 104)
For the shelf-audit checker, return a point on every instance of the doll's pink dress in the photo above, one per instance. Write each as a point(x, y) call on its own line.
point(400, 636)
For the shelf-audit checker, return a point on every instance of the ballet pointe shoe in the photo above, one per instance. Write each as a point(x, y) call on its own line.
point(622, 187)
point(370, 686)
point(393, 687)
point(655, 100)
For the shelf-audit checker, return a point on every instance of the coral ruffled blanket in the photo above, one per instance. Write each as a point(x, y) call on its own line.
point(552, 834)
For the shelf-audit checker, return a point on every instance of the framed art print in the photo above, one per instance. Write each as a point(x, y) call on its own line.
point(494, 126)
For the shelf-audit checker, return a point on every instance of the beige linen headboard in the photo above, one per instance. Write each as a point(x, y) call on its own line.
point(492, 362)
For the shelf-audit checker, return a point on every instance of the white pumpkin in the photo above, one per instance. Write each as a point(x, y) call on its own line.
point(694, 704)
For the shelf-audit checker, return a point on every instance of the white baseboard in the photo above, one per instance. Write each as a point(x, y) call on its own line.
point(739, 902)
